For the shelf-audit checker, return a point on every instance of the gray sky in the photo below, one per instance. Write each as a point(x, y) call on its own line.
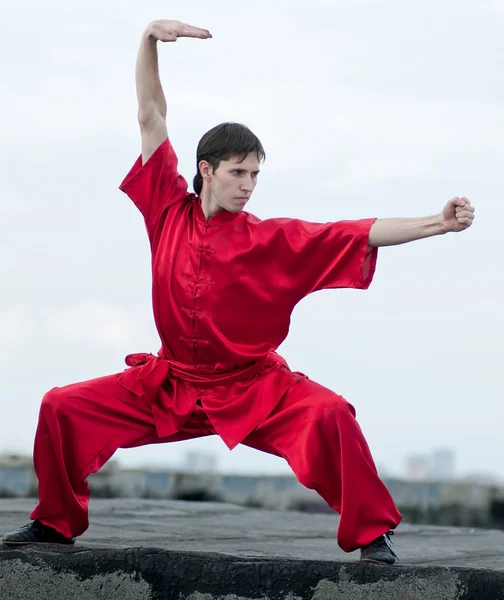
point(365, 109)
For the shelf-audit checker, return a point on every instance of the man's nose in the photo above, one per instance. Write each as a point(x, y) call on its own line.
point(247, 184)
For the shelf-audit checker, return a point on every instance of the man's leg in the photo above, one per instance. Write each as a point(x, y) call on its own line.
point(80, 427)
point(315, 430)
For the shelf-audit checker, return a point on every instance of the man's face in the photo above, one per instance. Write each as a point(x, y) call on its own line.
point(233, 182)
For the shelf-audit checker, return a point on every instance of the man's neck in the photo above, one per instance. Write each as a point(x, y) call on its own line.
point(209, 205)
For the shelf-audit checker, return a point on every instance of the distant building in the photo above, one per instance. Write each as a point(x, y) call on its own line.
point(482, 478)
point(442, 464)
point(199, 462)
point(439, 465)
point(417, 467)
point(17, 476)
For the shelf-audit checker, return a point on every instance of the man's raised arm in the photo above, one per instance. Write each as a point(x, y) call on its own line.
point(151, 99)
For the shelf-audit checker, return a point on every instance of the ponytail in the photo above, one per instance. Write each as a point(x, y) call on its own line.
point(198, 183)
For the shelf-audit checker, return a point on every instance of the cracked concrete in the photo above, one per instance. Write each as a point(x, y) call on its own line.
point(208, 551)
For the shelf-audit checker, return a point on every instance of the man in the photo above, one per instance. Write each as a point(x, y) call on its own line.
point(224, 286)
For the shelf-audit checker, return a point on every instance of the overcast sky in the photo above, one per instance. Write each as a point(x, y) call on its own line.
point(365, 108)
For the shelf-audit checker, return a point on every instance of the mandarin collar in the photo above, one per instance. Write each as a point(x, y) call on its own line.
point(220, 218)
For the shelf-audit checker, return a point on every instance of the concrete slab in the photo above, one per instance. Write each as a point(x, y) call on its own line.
point(132, 540)
point(240, 531)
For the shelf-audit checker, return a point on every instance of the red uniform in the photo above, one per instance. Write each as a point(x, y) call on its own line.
point(223, 294)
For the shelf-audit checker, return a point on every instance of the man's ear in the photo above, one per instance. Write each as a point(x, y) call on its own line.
point(206, 170)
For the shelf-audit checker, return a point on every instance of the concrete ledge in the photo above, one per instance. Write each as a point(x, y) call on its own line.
point(34, 573)
point(153, 550)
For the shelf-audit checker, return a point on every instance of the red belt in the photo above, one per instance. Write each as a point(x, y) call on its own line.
point(148, 372)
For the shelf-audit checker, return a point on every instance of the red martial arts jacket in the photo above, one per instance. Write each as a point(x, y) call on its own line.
point(223, 293)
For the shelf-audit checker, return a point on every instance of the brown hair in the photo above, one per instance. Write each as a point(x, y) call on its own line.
point(223, 142)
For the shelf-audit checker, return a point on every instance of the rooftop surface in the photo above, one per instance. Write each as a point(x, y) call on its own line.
point(140, 539)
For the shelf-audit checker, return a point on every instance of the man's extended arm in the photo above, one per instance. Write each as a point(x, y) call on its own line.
point(151, 99)
point(457, 215)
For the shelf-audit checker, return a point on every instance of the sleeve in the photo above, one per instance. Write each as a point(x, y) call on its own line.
point(329, 255)
point(156, 185)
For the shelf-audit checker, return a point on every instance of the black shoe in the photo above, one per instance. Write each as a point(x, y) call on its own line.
point(36, 533)
point(379, 551)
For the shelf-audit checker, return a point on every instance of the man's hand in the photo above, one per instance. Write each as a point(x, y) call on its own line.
point(170, 31)
point(457, 215)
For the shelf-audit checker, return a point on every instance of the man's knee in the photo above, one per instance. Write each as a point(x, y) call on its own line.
point(332, 407)
point(56, 400)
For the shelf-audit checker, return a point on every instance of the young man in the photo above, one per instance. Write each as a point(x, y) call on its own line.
point(224, 286)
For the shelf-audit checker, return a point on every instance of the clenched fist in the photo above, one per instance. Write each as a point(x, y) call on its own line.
point(170, 31)
point(458, 214)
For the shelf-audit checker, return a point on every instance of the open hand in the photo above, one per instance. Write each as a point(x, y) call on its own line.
point(170, 31)
point(458, 214)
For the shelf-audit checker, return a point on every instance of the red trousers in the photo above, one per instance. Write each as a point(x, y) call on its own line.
point(313, 429)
